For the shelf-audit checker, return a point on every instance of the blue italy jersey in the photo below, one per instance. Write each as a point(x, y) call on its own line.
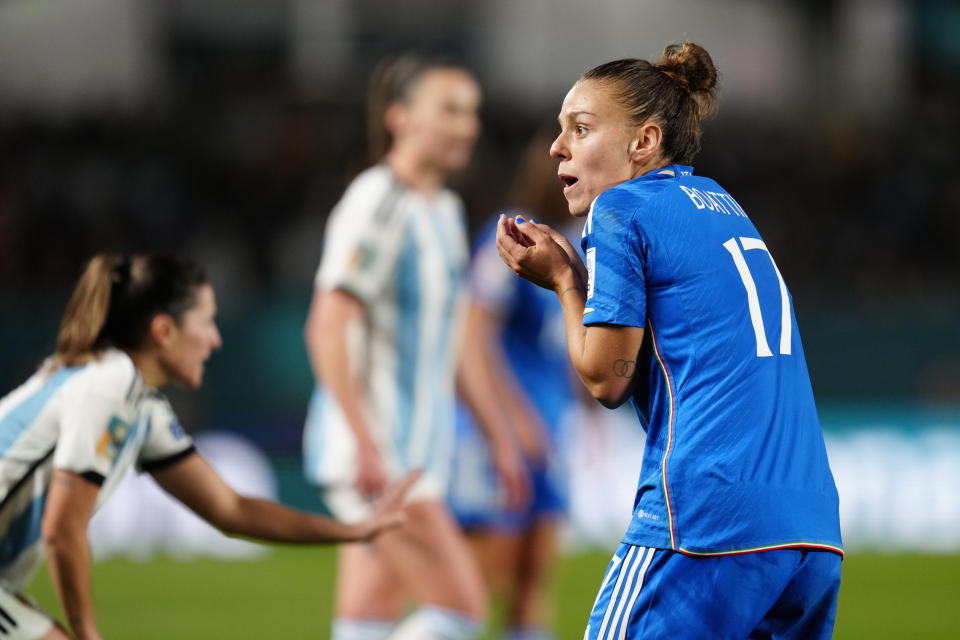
point(735, 459)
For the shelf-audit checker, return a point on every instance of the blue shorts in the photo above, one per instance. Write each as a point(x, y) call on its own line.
point(657, 593)
point(476, 495)
point(546, 502)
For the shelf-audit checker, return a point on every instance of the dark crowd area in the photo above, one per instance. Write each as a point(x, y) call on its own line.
point(238, 171)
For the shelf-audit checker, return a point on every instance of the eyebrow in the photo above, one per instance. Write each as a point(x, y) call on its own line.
point(571, 115)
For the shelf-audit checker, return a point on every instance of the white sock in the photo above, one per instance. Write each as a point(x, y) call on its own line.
point(361, 629)
point(437, 623)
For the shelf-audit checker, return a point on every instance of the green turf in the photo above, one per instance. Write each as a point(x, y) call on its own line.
point(288, 594)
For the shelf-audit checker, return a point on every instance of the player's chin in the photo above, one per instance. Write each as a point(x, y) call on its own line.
point(578, 208)
point(193, 378)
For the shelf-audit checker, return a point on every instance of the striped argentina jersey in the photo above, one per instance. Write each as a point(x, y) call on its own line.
point(404, 257)
point(95, 420)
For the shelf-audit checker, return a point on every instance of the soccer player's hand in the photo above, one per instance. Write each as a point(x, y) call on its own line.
point(533, 253)
point(371, 476)
point(514, 475)
point(572, 256)
point(388, 510)
point(532, 437)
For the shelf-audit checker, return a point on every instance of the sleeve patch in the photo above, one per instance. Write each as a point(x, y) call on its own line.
point(113, 438)
point(363, 257)
point(591, 256)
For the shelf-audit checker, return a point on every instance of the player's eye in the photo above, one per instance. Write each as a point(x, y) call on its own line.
point(580, 129)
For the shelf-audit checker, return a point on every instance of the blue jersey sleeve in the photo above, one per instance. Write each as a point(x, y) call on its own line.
point(614, 251)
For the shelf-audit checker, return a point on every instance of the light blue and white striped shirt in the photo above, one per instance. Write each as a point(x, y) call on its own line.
point(404, 257)
point(95, 420)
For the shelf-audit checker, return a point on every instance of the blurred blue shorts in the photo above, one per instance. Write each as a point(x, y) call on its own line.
point(476, 495)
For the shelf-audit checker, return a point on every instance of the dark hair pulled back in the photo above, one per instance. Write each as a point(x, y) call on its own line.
point(677, 92)
point(117, 296)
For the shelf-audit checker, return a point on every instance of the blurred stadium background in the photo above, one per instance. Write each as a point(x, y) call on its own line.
point(226, 129)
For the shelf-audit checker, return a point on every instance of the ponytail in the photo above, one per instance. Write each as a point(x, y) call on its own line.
point(87, 310)
point(117, 297)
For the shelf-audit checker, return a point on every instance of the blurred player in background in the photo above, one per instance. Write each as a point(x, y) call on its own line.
point(383, 334)
point(73, 429)
point(681, 308)
point(516, 350)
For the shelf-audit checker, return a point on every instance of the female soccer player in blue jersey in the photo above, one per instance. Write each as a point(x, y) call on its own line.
point(71, 432)
point(382, 334)
point(681, 309)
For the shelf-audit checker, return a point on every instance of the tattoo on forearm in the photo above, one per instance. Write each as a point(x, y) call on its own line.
point(624, 368)
point(567, 290)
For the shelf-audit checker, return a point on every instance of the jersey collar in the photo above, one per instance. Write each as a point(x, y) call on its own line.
point(670, 171)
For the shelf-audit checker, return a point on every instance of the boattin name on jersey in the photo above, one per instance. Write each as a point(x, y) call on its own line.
point(714, 201)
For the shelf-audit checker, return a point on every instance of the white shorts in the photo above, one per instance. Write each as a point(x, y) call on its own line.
point(329, 447)
point(20, 620)
point(346, 504)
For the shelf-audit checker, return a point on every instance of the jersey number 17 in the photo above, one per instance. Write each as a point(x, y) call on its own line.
point(753, 301)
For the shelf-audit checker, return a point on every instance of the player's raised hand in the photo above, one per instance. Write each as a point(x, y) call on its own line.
point(564, 243)
point(388, 510)
point(531, 252)
point(511, 229)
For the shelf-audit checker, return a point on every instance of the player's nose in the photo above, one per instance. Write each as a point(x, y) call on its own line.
point(559, 148)
point(216, 341)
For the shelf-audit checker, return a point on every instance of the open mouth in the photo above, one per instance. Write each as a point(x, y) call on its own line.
point(568, 181)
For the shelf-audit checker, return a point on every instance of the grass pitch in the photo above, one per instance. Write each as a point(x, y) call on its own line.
point(289, 594)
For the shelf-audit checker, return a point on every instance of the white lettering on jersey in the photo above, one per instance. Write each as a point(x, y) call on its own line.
point(694, 198)
point(714, 201)
point(591, 270)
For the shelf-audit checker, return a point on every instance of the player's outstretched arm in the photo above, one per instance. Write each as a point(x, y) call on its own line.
point(66, 515)
point(194, 482)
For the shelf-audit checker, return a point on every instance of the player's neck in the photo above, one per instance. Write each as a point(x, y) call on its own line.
point(411, 171)
point(657, 163)
point(150, 369)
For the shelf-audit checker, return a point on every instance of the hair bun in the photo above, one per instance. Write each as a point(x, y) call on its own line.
point(691, 66)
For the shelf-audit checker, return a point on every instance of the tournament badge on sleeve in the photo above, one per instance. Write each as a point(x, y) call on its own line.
point(363, 258)
point(113, 438)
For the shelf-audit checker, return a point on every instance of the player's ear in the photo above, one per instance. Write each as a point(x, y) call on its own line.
point(395, 117)
point(646, 142)
point(163, 329)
